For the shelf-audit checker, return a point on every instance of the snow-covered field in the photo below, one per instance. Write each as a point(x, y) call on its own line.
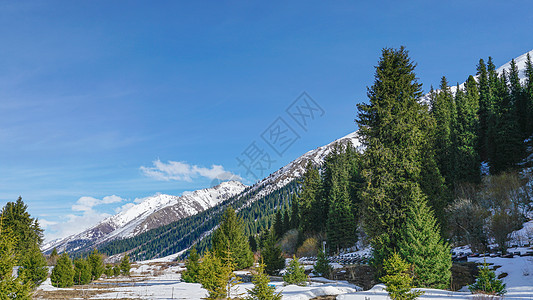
point(161, 280)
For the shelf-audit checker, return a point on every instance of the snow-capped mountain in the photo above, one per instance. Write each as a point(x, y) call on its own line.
point(151, 213)
point(296, 168)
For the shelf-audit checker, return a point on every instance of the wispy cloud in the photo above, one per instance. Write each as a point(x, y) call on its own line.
point(182, 171)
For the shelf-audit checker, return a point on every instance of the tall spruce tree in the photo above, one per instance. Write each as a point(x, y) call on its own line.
point(485, 110)
point(24, 227)
point(191, 274)
point(313, 208)
point(96, 263)
point(33, 267)
point(272, 256)
point(396, 130)
point(231, 232)
point(295, 211)
point(82, 271)
point(528, 90)
point(444, 111)
point(467, 161)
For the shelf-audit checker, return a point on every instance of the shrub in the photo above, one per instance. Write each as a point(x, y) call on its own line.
point(289, 242)
point(308, 248)
point(125, 265)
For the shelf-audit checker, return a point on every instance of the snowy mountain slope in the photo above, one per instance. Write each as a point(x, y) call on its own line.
point(520, 64)
point(296, 168)
point(152, 212)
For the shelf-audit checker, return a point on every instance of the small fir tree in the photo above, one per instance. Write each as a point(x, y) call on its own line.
point(193, 267)
point(262, 290)
point(487, 283)
point(125, 265)
point(82, 271)
point(322, 266)
point(63, 273)
point(212, 277)
point(116, 271)
point(398, 279)
point(96, 263)
point(295, 273)
point(108, 271)
point(272, 255)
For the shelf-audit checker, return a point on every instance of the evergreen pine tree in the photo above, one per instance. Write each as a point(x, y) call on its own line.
point(253, 243)
point(422, 246)
point(444, 111)
point(467, 161)
point(10, 287)
point(63, 273)
point(211, 276)
point(313, 208)
point(485, 110)
point(295, 273)
point(295, 211)
point(272, 255)
point(487, 283)
point(322, 266)
point(286, 221)
point(193, 267)
point(82, 271)
point(33, 267)
point(25, 228)
point(398, 279)
point(52, 259)
point(231, 231)
point(116, 271)
point(262, 290)
point(108, 271)
point(278, 224)
point(396, 130)
point(96, 264)
point(528, 90)
point(125, 265)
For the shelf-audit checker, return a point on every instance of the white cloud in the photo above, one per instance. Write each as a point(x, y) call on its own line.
point(87, 203)
point(77, 222)
point(182, 171)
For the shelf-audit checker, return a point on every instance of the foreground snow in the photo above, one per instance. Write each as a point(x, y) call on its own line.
point(159, 280)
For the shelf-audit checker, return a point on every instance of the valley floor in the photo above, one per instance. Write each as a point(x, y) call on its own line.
point(161, 280)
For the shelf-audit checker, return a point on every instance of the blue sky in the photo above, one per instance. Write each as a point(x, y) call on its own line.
point(105, 102)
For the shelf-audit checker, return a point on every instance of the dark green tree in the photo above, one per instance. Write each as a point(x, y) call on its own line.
point(125, 265)
point(278, 224)
point(63, 273)
point(25, 228)
point(295, 211)
point(231, 232)
point(322, 266)
point(272, 255)
point(528, 90)
point(313, 208)
point(193, 267)
point(108, 271)
point(82, 271)
point(96, 264)
point(399, 161)
point(444, 111)
point(116, 271)
point(467, 161)
point(33, 267)
point(423, 247)
point(485, 110)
